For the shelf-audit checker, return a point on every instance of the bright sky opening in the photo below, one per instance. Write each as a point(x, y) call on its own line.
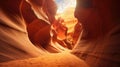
point(64, 4)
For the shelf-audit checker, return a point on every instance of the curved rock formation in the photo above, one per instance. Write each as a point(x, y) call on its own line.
point(14, 41)
point(37, 26)
point(99, 45)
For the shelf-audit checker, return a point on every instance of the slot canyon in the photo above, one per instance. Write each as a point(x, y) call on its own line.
point(59, 33)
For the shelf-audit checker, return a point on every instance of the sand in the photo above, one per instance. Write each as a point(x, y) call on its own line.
point(63, 59)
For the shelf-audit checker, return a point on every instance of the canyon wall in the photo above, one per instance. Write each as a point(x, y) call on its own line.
point(99, 45)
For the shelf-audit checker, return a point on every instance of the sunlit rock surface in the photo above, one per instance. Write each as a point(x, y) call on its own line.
point(38, 23)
